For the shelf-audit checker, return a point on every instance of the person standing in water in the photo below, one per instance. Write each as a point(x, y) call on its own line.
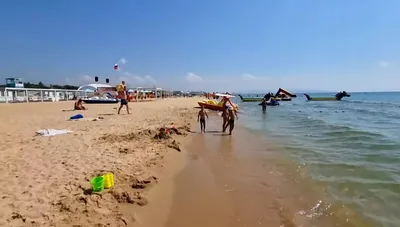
point(123, 97)
point(264, 105)
point(232, 115)
point(202, 118)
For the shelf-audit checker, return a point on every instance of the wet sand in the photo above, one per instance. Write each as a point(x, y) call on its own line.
point(241, 180)
point(217, 180)
point(219, 186)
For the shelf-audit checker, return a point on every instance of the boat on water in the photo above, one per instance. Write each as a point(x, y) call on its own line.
point(250, 99)
point(284, 93)
point(259, 99)
point(213, 105)
point(280, 95)
point(282, 99)
point(337, 97)
point(269, 100)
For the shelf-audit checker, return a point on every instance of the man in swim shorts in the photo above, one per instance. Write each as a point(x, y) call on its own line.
point(231, 122)
point(124, 101)
point(202, 118)
point(225, 118)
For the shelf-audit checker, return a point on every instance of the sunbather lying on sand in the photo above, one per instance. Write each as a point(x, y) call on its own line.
point(78, 105)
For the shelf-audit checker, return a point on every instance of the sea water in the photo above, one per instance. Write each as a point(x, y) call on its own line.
point(351, 147)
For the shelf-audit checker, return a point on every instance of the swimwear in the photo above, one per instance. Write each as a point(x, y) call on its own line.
point(124, 102)
point(231, 122)
point(202, 121)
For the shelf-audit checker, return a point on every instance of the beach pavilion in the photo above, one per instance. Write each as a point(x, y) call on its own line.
point(96, 87)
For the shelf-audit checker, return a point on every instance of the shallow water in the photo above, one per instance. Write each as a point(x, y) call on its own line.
point(350, 148)
point(243, 180)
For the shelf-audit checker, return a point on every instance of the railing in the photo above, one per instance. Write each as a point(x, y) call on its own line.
point(18, 95)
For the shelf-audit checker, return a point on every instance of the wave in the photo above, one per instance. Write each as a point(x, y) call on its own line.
point(350, 147)
point(389, 103)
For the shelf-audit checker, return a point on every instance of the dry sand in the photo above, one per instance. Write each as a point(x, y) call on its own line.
point(45, 180)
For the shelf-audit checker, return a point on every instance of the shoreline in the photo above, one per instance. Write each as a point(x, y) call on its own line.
point(209, 192)
point(228, 182)
point(216, 180)
point(161, 196)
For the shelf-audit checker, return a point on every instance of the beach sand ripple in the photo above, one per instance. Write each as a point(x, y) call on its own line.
point(45, 180)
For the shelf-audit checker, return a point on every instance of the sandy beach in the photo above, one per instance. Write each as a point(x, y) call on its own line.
point(45, 180)
point(182, 178)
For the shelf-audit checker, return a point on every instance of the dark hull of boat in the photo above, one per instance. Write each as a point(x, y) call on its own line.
point(260, 99)
point(94, 101)
point(309, 98)
point(251, 99)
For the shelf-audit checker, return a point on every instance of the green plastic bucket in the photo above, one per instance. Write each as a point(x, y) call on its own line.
point(97, 184)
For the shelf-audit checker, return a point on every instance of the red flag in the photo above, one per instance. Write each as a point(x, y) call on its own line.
point(116, 67)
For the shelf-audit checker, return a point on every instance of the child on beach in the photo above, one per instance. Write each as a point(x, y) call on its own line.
point(232, 114)
point(202, 118)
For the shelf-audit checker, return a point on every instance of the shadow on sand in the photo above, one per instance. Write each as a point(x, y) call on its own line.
point(106, 114)
point(221, 134)
point(208, 132)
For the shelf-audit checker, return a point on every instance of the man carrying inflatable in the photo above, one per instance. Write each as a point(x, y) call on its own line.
point(225, 100)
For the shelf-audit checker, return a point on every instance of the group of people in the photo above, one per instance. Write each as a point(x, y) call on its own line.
point(228, 115)
point(122, 95)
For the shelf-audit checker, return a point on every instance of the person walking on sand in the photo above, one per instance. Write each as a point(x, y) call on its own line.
point(232, 114)
point(202, 118)
point(122, 95)
point(225, 118)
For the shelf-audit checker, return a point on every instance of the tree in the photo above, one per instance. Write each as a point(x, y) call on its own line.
point(41, 85)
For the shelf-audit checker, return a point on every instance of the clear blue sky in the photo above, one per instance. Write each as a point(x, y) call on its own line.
point(205, 44)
